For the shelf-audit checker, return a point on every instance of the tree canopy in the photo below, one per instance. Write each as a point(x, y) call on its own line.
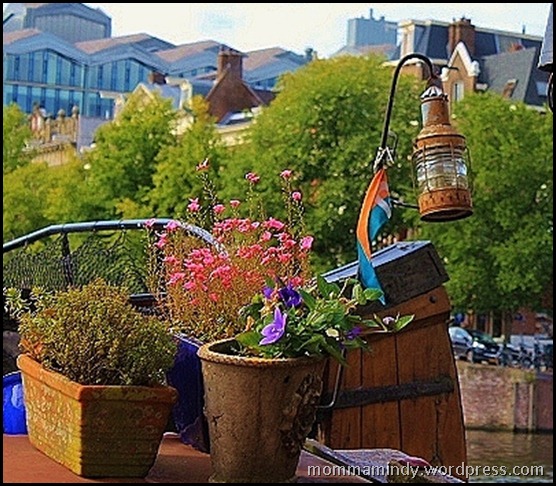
point(123, 161)
point(175, 181)
point(325, 125)
point(15, 135)
point(501, 258)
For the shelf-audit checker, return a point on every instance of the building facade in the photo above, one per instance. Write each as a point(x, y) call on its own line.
point(371, 31)
point(61, 55)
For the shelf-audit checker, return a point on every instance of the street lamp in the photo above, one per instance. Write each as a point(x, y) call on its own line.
point(438, 153)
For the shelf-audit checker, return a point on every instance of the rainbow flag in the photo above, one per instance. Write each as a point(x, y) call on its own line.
point(376, 211)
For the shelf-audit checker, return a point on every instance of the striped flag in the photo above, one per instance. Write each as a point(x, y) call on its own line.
point(375, 213)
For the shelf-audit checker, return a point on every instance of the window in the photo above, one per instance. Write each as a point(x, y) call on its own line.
point(458, 91)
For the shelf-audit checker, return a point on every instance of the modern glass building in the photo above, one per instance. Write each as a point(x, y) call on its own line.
point(62, 55)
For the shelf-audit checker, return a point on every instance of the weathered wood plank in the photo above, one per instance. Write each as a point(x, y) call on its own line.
point(381, 421)
point(344, 431)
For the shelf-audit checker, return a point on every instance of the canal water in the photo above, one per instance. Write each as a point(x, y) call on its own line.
point(503, 457)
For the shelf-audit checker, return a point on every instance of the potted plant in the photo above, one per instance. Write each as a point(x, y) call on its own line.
point(262, 388)
point(93, 374)
point(268, 328)
point(204, 286)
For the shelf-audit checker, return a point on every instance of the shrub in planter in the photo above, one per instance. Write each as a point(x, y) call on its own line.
point(93, 373)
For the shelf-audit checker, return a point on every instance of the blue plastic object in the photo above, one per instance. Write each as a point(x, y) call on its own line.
point(14, 419)
point(186, 377)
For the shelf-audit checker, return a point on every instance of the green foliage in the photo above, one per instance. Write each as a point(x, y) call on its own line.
point(318, 320)
point(70, 198)
point(123, 162)
point(326, 125)
point(15, 135)
point(94, 336)
point(24, 200)
point(502, 258)
point(175, 181)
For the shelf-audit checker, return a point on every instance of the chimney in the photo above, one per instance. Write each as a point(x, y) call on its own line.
point(461, 31)
point(230, 60)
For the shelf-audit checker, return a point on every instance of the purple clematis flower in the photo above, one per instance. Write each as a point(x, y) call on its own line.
point(275, 331)
point(290, 297)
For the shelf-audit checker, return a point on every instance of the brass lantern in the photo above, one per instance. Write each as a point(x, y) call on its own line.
point(439, 162)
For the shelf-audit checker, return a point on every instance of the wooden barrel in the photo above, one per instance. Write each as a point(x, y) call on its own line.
point(404, 394)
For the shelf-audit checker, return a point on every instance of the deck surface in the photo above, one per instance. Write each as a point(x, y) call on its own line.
point(176, 463)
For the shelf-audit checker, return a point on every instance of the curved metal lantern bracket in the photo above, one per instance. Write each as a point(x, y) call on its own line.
point(384, 154)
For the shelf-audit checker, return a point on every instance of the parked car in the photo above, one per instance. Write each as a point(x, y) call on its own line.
point(462, 343)
point(474, 346)
point(485, 348)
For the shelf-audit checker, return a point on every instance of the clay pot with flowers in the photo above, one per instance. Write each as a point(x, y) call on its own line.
point(269, 327)
point(205, 285)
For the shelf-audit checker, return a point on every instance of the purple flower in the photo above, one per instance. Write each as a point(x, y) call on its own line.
point(275, 331)
point(268, 293)
point(354, 333)
point(290, 297)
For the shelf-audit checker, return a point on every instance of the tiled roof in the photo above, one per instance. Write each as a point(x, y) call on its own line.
point(186, 50)
point(17, 35)
point(519, 67)
point(94, 46)
point(262, 57)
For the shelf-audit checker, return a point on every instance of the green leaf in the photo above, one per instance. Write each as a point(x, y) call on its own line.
point(326, 289)
point(334, 351)
point(403, 322)
point(309, 300)
point(249, 340)
point(373, 294)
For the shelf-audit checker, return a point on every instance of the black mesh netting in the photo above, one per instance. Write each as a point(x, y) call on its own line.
point(119, 258)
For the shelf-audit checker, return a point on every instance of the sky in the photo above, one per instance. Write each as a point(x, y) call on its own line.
point(297, 26)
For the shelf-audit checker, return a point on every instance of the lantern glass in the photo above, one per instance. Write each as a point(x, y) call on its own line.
point(441, 167)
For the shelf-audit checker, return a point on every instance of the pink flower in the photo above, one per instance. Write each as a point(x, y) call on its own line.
point(176, 278)
point(286, 174)
point(307, 243)
point(235, 203)
point(172, 226)
point(219, 209)
point(203, 166)
point(162, 241)
point(172, 261)
point(253, 178)
point(274, 224)
point(149, 224)
point(194, 206)
point(297, 196)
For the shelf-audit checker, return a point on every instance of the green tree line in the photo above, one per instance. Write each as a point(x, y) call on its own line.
point(325, 125)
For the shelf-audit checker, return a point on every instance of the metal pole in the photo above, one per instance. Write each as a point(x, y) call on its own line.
point(379, 164)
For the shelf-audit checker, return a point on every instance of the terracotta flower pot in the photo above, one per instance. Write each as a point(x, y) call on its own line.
point(259, 413)
point(95, 431)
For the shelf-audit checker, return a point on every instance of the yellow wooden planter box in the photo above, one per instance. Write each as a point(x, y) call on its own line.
point(95, 431)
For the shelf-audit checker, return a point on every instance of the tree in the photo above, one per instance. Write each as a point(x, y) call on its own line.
point(123, 162)
point(16, 134)
point(24, 200)
point(501, 258)
point(70, 198)
point(325, 125)
point(175, 180)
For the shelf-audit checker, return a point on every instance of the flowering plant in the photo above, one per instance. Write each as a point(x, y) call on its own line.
point(317, 320)
point(207, 286)
point(253, 282)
